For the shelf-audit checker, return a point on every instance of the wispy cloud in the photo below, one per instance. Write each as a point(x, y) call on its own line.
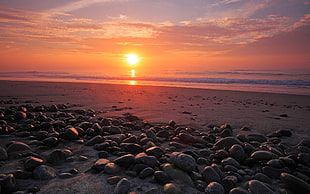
point(79, 5)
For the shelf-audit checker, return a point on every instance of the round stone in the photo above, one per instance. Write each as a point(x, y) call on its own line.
point(214, 188)
point(146, 172)
point(183, 161)
point(161, 177)
point(32, 162)
point(122, 187)
point(257, 187)
point(155, 151)
point(3, 154)
point(226, 142)
point(263, 155)
point(44, 172)
point(125, 160)
point(237, 152)
point(111, 168)
point(172, 188)
point(210, 175)
point(17, 147)
point(294, 183)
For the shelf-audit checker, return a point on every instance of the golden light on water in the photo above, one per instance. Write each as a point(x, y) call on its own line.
point(132, 82)
point(133, 73)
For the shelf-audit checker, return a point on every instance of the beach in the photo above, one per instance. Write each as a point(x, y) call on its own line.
point(201, 110)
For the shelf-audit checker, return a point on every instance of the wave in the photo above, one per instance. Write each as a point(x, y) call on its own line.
point(199, 80)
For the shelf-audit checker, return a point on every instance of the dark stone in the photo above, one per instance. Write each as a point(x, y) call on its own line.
point(183, 161)
point(155, 151)
point(132, 148)
point(283, 132)
point(257, 187)
point(238, 190)
point(230, 161)
point(226, 142)
point(272, 172)
point(7, 183)
point(214, 188)
point(172, 188)
point(44, 172)
point(17, 147)
point(161, 177)
point(295, 184)
point(263, 155)
point(257, 137)
point(263, 178)
point(237, 152)
point(111, 168)
point(32, 162)
point(304, 158)
point(103, 154)
point(71, 134)
point(58, 156)
point(210, 175)
point(187, 138)
point(51, 141)
point(125, 160)
point(122, 187)
point(94, 140)
point(113, 180)
point(146, 172)
point(3, 154)
point(229, 182)
point(100, 164)
point(143, 158)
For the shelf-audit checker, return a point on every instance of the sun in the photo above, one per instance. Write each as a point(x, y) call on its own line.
point(132, 59)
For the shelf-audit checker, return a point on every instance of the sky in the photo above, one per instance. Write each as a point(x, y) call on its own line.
point(169, 36)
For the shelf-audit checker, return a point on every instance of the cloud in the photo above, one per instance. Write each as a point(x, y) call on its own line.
point(79, 5)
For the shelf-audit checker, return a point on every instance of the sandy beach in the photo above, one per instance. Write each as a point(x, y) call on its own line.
point(262, 112)
point(203, 111)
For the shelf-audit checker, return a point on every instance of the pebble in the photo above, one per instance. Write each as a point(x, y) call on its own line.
point(125, 160)
point(257, 187)
point(155, 151)
point(237, 152)
point(210, 175)
point(161, 177)
point(146, 172)
point(17, 147)
point(94, 140)
point(295, 184)
point(71, 134)
point(32, 162)
point(226, 142)
point(257, 137)
point(183, 161)
point(229, 182)
point(122, 187)
point(112, 168)
point(214, 188)
point(132, 148)
point(58, 156)
point(177, 174)
point(113, 180)
point(143, 158)
point(238, 190)
point(172, 188)
point(100, 164)
point(51, 141)
point(44, 172)
point(230, 161)
point(7, 183)
point(263, 155)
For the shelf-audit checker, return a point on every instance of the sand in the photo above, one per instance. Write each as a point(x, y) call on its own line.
point(262, 112)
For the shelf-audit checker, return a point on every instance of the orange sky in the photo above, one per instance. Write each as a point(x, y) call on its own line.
point(77, 36)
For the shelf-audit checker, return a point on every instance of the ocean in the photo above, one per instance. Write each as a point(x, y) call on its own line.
point(291, 82)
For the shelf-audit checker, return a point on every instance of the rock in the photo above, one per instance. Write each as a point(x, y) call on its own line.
point(100, 164)
point(21, 174)
point(263, 155)
point(257, 187)
point(183, 161)
point(71, 134)
point(103, 154)
point(272, 172)
point(58, 156)
point(17, 147)
point(143, 158)
point(32, 162)
point(226, 133)
point(257, 137)
point(229, 182)
point(122, 187)
point(20, 115)
point(94, 140)
point(210, 175)
point(44, 172)
point(187, 138)
point(263, 178)
point(155, 151)
point(214, 188)
point(304, 158)
point(295, 184)
point(230, 161)
point(113, 180)
point(275, 163)
point(177, 174)
point(172, 188)
point(111, 168)
point(132, 148)
point(3, 154)
point(146, 172)
point(125, 160)
point(101, 146)
point(238, 190)
point(161, 177)
point(283, 132)
point(51, 141)
point(150, 134)
point(226, 142)
point(7, 183)
point(237, 152)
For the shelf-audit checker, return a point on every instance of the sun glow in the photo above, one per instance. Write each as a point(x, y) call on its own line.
point(132, 59)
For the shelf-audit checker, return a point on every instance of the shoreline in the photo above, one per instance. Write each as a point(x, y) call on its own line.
point(263, 112)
